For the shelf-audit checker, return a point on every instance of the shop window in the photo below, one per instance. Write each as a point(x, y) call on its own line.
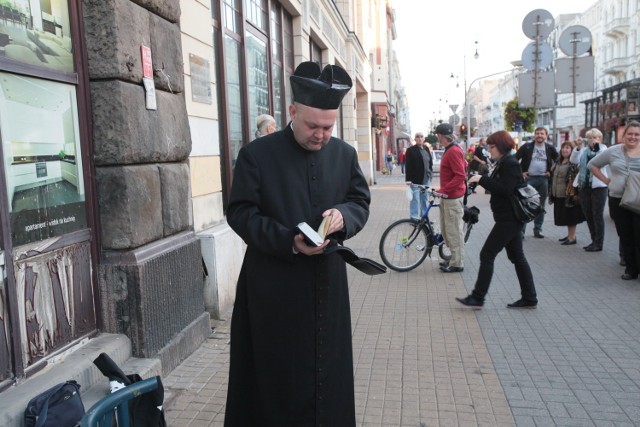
point(42, 163)
point(36, 33)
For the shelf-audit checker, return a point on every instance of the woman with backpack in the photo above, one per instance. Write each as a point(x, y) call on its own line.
point(507, 230)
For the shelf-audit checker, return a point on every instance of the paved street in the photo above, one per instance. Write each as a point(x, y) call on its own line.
point(420, 360)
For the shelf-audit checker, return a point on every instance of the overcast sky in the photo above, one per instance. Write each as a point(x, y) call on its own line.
point(433, 38)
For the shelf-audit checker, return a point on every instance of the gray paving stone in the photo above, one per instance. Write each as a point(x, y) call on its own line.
point(419, 360)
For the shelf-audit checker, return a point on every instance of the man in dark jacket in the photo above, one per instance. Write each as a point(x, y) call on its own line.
point(536, 159)
point(291, 350)
point(418, 167)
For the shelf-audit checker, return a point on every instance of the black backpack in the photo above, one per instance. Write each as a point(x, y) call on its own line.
point(526, 203)
point(60, 406)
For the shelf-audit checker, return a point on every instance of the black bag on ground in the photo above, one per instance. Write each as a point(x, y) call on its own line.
point(526, 203)
point(60, 406)
point(144, 410)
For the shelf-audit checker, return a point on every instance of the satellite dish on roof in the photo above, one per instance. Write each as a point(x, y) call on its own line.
point(575, 40)
point(537, 56)
point(537, 23)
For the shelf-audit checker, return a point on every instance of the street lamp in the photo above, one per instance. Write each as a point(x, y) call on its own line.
point(476, 55)
point(466, 97)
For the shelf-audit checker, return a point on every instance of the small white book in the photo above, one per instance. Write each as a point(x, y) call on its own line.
point(313, 237)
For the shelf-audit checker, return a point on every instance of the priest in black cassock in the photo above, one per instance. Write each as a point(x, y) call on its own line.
point(291, 356)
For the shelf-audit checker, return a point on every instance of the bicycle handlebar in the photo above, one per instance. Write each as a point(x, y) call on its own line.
point(431, 191)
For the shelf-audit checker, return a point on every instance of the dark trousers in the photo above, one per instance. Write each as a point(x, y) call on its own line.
point(628, 228)
point(540, 183)
point(592, 201)
point(504, 235)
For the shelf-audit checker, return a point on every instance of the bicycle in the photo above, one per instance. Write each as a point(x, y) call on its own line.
point(406, 243)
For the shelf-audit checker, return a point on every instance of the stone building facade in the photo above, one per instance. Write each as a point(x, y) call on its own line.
point(120, 123)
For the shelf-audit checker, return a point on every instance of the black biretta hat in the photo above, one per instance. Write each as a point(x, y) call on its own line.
point(320, 89)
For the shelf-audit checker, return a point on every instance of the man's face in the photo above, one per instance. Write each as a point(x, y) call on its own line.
point(540, 136)
point(312, 127)
point(443, 140)
point(419, 139)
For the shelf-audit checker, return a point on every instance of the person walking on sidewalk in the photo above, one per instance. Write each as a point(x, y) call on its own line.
point(592, 192)
point(419, 164)
point(453, 175)
point(291, 360)
point(622, 159)
point(536, 159)
point(402, 157)
point(507, 230)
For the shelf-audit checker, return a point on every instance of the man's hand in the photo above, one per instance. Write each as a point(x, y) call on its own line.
point(474, 178)
point(337, 222)
point(301, 247)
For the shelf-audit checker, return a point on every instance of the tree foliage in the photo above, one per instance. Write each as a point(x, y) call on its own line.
point(432, 138)
point(513, 115)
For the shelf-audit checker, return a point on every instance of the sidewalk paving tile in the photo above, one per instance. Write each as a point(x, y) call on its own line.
point(421, 360)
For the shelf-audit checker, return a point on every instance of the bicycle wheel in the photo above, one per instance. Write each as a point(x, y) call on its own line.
point(404, 245)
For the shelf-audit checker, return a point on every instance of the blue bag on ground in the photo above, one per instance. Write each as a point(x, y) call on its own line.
point(60, 406)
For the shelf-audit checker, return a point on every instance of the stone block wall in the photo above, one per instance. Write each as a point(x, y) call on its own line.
point(150, 268)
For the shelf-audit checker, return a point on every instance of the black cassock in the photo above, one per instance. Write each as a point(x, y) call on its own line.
point(291, 357)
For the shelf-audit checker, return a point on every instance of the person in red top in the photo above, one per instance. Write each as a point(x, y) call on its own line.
point(401, 158)
point(453, 184)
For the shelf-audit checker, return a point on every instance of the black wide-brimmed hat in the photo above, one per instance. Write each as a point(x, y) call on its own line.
point(317, 88)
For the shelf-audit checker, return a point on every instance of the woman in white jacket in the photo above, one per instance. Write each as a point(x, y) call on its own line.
point(591, 190)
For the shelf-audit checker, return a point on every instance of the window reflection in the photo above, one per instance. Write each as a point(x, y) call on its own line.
point(234, 96)
point(258, 77)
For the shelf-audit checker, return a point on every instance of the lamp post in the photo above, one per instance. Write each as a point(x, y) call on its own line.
point(476, 55)
point(466, 97)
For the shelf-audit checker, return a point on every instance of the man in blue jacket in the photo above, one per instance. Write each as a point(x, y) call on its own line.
point(536, 159)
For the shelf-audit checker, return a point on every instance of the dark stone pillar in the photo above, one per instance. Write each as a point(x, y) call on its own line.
point(150, 271)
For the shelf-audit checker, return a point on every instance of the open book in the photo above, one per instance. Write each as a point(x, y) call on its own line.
point(313, 237)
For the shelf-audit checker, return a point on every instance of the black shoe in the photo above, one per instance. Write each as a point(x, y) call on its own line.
point(444, 263)
point(471, 302)
point(590, 245)
point(538, 235)
point(593, 249)
point(450, 269)
point(569, 242)
point(564, 239)
point(627, 276)
point(523, 303)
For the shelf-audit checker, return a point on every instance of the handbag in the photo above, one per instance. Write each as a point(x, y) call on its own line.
point(571, 198)
point(630, 196)
point(526, 203)
point(59, 406)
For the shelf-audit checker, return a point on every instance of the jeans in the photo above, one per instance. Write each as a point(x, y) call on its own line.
point(418, 203)
point(540, 183)
point(507, 235)
point(592, 201)
point(451, 226)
